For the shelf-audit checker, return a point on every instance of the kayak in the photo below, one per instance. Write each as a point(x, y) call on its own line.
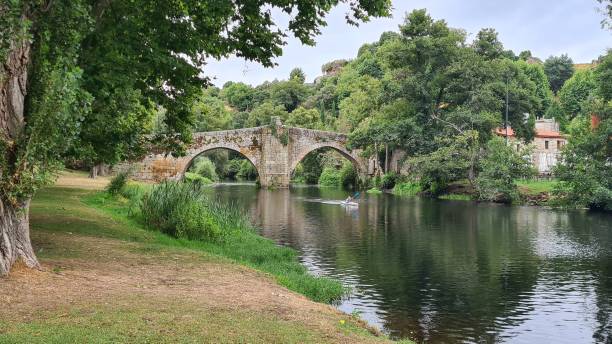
point(349, 204)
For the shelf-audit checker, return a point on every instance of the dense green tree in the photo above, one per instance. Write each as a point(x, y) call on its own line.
point(451, 162)
point(289, 94)
point(535, 73)
point(210, 113)
point(558, 69)
point(487, 44)
point(361, 100)
point(574, 96)
point(146, 53)
point(304, 118)
point(452, 96)
point(525, 55)
point(585, 169)
point(499, 168)
point(262, 114)
point(298, 75)
point(238, 95)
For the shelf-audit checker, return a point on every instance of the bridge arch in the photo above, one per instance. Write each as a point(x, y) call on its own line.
point(337, 147)
point(194, 155)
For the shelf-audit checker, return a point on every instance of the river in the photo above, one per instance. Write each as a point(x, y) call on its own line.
point(449, 271)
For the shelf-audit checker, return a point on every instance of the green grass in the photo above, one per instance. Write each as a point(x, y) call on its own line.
point(535, 187)
point(144, 318)
point(147, 322)
point(243, 246)
point(374, 191)
point(140, 318)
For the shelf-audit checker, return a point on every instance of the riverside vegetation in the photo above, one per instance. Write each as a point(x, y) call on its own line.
point(183, 211)
point(107, 277)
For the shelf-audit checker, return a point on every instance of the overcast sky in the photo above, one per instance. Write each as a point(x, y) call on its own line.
point(546, 27)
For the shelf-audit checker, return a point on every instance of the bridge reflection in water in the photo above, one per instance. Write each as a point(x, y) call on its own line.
point(450, 271)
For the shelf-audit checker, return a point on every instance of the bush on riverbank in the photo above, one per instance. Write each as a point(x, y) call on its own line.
point(407, 189)
point(204, 167)
point(330, 177)
point(345, 177)
point(117, 183)
point(196, 178)
point(183, 212)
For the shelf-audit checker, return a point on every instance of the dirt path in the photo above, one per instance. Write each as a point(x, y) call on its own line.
point(137, 293)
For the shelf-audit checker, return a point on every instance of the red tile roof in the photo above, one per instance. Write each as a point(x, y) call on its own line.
point(549, 134)
point(502, 132)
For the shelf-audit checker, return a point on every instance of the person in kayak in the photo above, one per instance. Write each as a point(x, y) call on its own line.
point(351, 199)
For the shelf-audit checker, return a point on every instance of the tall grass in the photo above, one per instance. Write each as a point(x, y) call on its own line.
point(407, 189)
point(182, 211)
point(191, 218)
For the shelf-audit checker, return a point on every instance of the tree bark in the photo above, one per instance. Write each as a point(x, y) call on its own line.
point(93, 172)
point(13, 82)
point(101, 170)
point(386, 157)
point(15, 242)
point(14, 223)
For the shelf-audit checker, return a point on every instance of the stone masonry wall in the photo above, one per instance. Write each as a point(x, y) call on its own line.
point(274, 151)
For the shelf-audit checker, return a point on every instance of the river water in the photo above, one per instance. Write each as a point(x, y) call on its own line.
point(449, 271)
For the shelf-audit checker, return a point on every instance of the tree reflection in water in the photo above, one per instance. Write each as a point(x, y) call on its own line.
point(451, 271)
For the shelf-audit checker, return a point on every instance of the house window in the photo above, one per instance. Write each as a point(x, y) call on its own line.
point(559, 144)
point(518, 147)
point(545, 144)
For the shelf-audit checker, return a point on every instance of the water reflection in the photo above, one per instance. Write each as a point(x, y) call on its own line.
point(451, 271)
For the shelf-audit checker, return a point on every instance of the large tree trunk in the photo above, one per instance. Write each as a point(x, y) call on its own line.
point(15, 242)
point(13, 80)
point(101, 170)
point(14, 225)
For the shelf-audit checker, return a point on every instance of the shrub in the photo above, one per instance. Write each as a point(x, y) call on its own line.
point(196, 178)
point(500, 167)
point(134, 192)
point(247, 171)
point(330, 177)
point(376, 182)
point(180, 210)
point(348, 175)
point(389, 180)
point(407, 189)
point(206, 168)
point(233, 168)
point(117, 183)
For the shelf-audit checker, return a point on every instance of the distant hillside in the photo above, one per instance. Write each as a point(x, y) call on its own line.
point(583, 66)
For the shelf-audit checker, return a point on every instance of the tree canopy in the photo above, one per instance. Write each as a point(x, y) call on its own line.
point(96, 70)
point(558, 69)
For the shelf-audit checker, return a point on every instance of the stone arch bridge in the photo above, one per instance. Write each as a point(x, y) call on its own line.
point(274, 150)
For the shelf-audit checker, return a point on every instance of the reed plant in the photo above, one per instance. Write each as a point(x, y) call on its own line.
point(181, 210)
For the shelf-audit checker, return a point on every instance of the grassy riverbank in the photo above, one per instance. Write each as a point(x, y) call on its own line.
point(531, 191)
point(106, 278)
point(239, 242)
